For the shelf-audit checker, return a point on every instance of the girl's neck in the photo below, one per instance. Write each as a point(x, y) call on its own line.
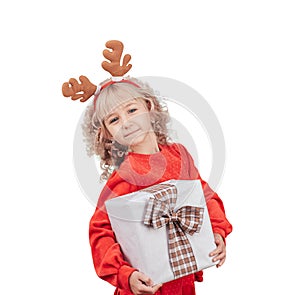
point(146, 151)
point(148, 146)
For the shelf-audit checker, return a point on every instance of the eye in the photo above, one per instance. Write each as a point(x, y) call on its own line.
point(113, 120)
point(132, 110)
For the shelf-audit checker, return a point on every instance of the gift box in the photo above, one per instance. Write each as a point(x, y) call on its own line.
point(164, 230)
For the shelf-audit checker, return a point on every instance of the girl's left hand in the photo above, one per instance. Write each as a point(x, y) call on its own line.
point(220, 252)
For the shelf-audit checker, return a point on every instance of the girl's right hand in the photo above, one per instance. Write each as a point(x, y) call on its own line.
point(141, 284)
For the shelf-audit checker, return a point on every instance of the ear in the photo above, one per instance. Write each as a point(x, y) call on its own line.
point(150, 105)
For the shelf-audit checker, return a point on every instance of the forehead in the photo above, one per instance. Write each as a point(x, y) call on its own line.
point(114, 96)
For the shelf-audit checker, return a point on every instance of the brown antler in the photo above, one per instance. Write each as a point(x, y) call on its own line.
point(114, 67)
point(83, 91)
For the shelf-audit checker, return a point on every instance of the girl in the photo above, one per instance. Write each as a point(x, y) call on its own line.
point(127, 127)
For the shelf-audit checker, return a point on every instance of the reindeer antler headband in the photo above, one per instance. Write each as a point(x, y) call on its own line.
point(86, 89)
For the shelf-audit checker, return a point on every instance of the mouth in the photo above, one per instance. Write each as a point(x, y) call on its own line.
point(130, 133)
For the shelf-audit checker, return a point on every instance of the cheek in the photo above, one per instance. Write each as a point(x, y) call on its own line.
point(116, 134)
point(106, 132)
point(111, 131)
point(144, 121)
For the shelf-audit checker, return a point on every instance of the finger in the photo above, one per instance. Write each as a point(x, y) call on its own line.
point(145, 279)
point(145, 290)
point(221, 262)
point(156, 287)
point(219, 257)
point(148, 290)
point(220, 245)
point(217, 251)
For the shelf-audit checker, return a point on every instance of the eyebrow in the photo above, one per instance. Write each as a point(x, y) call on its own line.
point(129, 104)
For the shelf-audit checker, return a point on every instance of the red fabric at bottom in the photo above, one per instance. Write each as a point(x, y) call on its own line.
point(181, 286)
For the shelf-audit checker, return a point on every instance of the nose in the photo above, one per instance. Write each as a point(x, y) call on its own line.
point(126, 123)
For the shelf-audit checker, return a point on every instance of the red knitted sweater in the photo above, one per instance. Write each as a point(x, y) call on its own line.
point(137, 172)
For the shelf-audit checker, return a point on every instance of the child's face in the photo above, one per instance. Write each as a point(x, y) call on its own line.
point(130, 124)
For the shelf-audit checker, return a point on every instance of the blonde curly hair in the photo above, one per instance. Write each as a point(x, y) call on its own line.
point(97, 138)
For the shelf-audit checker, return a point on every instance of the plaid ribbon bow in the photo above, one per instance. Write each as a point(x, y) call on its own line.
point(188, 219)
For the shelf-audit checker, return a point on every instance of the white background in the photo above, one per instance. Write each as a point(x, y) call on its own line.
point(242, 56)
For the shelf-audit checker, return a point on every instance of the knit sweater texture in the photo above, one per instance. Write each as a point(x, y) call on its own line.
point(138, 171)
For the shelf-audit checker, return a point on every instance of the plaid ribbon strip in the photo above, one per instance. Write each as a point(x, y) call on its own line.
point(160, 212)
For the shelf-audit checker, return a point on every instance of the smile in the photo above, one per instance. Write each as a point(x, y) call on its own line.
point(130, 133)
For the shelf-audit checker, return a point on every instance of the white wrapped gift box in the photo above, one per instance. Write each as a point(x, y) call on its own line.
point(146, 248)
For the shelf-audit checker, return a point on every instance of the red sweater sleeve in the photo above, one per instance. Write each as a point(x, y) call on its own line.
point(108, 259)
point(216, 211)
point(215, 206)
